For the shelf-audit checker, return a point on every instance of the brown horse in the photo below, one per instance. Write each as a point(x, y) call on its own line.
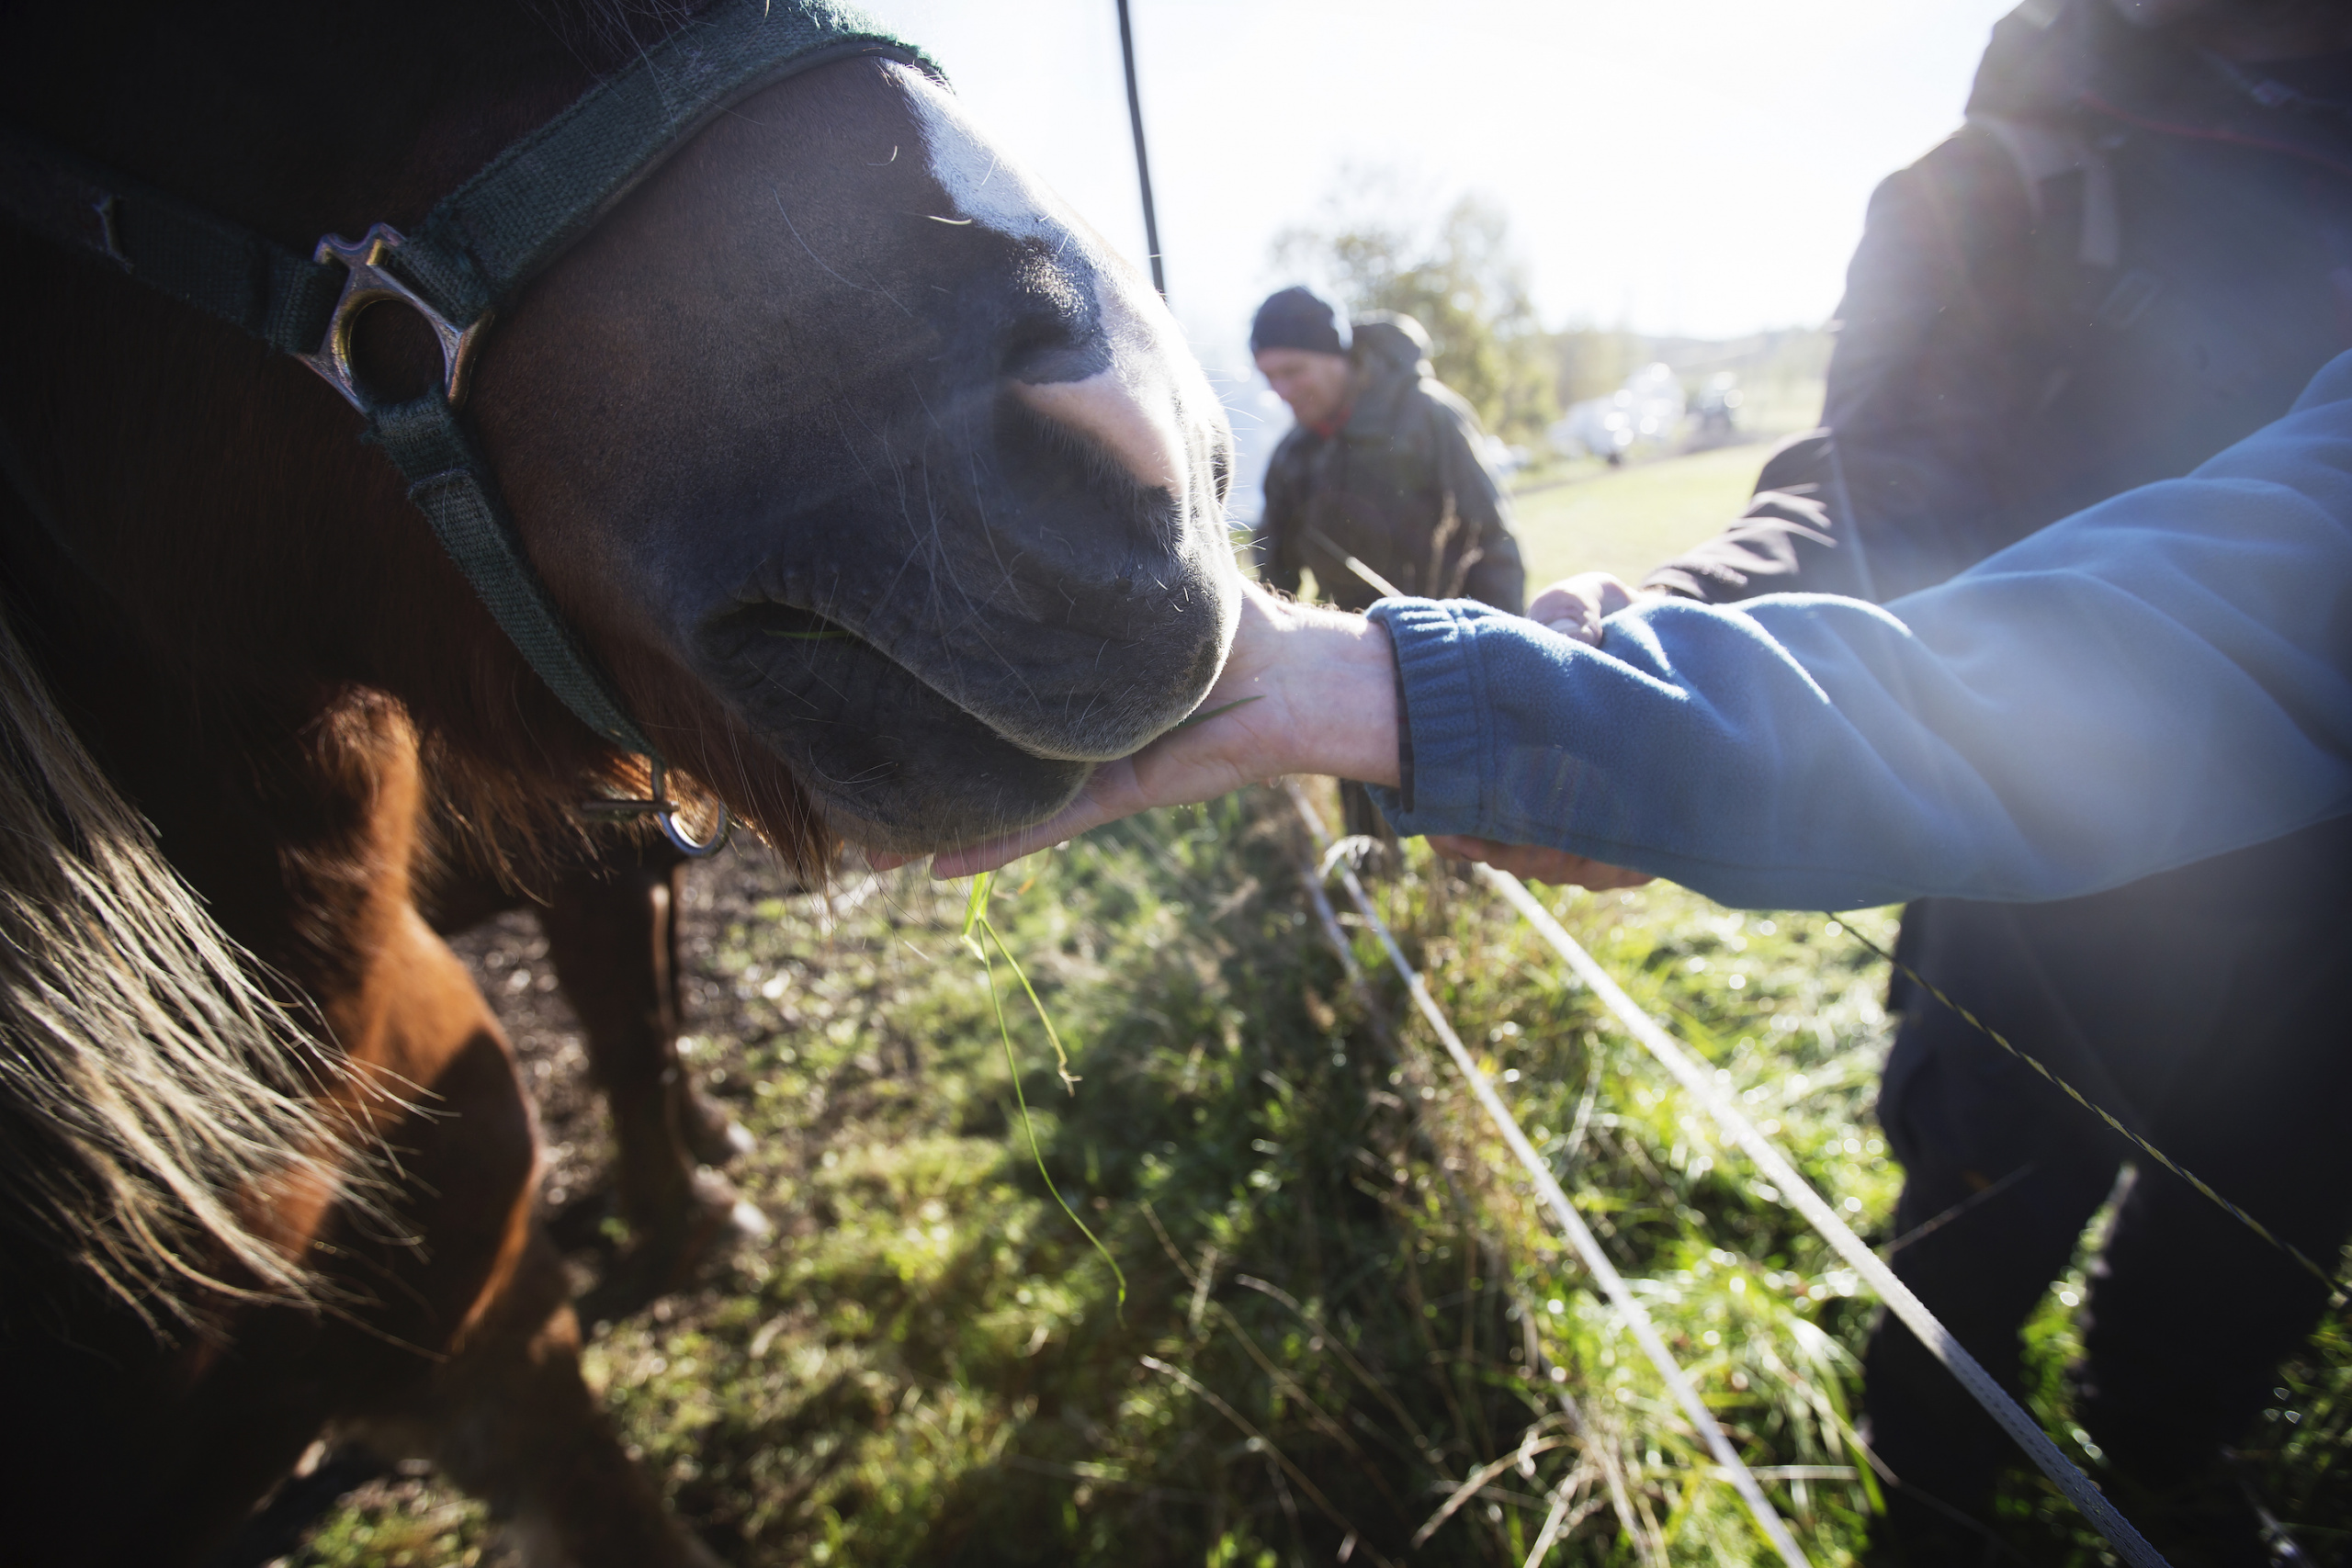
point(608, 911)
point(885, 499)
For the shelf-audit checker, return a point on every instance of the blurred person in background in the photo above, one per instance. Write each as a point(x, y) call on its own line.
point(1385, 463)
point(2137, 251)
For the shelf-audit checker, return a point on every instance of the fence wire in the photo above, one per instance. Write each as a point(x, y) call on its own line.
point(1800, 1195)
point(2336, 1296)
point(1613, 1284)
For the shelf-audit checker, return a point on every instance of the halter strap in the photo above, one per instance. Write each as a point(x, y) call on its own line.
point(472, 256)
point(226, 271)
point(485, 240)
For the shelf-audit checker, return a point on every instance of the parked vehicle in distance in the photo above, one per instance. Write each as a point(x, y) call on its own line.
point(1647, 410)
point(1717, 410)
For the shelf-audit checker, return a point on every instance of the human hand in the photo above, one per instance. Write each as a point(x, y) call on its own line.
point(1533, 863)
point(1305, 690)
point(1575, 606)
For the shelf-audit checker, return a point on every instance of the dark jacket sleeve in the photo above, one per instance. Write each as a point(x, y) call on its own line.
point(1938, 337)
point(1496, 576)
point(1279, 533)
point(1786, 541)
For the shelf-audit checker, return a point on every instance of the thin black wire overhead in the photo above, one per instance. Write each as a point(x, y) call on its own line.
point(1143, 162)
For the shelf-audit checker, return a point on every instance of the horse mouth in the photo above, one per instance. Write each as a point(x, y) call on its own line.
point(898, 763)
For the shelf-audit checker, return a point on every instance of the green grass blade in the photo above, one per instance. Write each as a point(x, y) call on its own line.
point(1061, 1057)
point(976, 916)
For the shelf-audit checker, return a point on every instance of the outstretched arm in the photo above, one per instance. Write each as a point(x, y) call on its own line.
point(2161, 679)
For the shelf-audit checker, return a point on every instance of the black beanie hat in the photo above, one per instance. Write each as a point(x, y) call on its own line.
point(1295, 317)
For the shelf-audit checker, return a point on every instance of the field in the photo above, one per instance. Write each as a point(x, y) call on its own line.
point(1627, 520)
point(1347, 1334)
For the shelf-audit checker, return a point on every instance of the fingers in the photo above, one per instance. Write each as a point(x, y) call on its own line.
point(1575, 606)
point(1461, 846)
point(1533, 863)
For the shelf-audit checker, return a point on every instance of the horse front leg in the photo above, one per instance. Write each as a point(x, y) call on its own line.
point(519, 1427)
point(611, 935)
point(498, 1403)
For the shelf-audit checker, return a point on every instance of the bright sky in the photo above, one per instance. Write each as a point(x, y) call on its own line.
point(1678, 166)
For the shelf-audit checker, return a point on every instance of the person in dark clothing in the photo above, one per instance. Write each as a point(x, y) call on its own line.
point(1382, 465)
point(1387, 470)
point(2137, 251)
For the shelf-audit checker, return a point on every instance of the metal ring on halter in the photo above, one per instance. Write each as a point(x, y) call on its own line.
point(665, 812)
point(367, 282)
point(665, 817)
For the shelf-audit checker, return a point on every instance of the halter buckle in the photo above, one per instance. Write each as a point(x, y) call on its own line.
point(366, 282)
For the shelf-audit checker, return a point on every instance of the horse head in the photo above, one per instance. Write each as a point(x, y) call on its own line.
point(881, 488)
point(866, 450)
point(879, 494)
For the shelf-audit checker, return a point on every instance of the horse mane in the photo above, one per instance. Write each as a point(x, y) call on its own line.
point(153, 1098)
point(608, 33)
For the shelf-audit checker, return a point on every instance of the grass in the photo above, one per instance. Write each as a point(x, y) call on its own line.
point(1628, 520)
point(1585, 516)
point(1343, 1303)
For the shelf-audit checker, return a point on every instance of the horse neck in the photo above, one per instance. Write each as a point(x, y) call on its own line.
point(254, 586)
point(237, 517)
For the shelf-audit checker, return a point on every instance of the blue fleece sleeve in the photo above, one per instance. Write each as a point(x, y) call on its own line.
point(2165, 677)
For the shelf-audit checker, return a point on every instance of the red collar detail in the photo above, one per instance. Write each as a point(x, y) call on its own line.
point(1336, 422)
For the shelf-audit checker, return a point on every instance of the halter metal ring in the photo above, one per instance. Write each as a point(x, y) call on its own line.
point(665, 812)
point(665, 817)
point(366, 282)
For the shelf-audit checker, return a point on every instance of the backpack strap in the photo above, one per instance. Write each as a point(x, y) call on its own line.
point(2043, 152)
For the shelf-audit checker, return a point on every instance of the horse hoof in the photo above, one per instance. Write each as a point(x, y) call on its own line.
point(715, 1138)
point(670, 1257)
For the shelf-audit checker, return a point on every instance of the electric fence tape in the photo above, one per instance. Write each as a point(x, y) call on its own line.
point(2022, 1428)
point(1800, 1195)
point(2336, 1296)
point(1613, 1284)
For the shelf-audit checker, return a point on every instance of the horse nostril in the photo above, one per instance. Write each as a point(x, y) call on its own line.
point(1050, 328)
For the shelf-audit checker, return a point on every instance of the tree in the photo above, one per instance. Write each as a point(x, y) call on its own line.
point(1593, 362)
point(1458, 276)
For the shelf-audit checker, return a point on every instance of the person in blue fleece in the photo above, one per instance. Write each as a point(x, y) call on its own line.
point(2162, 678)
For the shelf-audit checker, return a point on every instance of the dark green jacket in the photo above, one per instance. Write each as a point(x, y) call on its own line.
point(1401, 486)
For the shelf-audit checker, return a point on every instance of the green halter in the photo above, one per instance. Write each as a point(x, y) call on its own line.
point(471, 257)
